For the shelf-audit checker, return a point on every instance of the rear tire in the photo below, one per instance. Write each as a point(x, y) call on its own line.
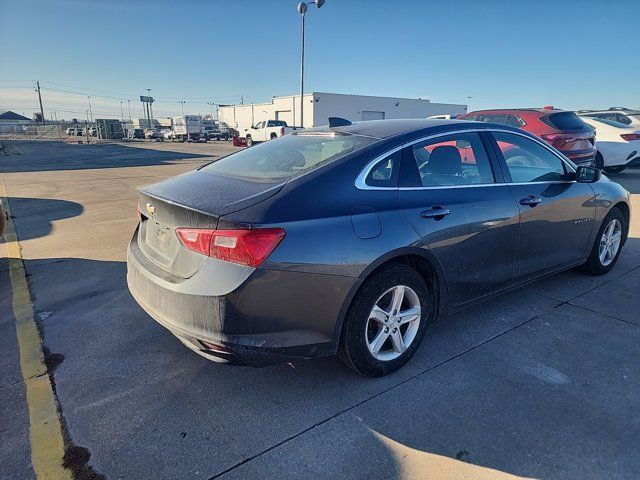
point(249, 140)
point(377, 345)
point(599, 161)
point(616, 169)
point(273, 136)
point(599, 262)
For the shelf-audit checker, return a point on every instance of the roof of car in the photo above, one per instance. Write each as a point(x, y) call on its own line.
point(387, 128)
point(624, 112)
point(513, 110)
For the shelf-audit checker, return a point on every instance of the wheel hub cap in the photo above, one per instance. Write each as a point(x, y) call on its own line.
point(610, 242)
point(393, 323)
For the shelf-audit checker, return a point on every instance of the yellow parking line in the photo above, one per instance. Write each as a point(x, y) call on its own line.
point(45, 430)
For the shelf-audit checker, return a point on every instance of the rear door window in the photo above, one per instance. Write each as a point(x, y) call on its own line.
point(515, 121)
point(496, 118)
point(456, 159)
point(385, 172)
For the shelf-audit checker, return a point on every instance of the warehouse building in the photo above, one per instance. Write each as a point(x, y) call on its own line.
point(319, 106)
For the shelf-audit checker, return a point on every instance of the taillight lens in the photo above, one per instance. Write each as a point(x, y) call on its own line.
point(138, 212)
point(281, 131)
point(555, 138)
point(630, 136)
point(245, 247)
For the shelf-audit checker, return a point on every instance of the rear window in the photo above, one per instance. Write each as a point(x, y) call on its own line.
point(564, 121)
point(288, 156)
point(276, 123)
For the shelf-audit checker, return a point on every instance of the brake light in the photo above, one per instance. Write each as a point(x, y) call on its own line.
point(555, 138)
point(245, 247)
point(630, 136)
point(281, 131)
point(138, 212)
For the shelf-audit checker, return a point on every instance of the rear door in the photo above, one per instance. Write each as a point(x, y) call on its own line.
point(556, 213)
point(455, 199)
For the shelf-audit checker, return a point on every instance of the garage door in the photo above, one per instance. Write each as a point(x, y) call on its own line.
point(371, 115)
point(285, 115)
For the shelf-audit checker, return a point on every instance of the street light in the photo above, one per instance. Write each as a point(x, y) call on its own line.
point(302, 9)
point(211, 104)
point(129, 107)
point(469, 104)
point(181, 102)
point(121, 113)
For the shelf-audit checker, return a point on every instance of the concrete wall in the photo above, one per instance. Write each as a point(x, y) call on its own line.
point(360, 107)
point(320, 106)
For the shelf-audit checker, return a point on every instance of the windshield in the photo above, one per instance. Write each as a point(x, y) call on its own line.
point(288, 156)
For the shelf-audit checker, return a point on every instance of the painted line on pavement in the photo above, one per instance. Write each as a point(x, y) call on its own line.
point(45, 429)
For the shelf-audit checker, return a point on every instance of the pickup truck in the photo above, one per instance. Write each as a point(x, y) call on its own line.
point(267, 130)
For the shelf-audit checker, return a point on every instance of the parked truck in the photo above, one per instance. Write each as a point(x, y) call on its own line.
point(267, 130)
point(187, 127)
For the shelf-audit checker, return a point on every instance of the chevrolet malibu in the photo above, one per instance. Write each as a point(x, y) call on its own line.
point(351, 239)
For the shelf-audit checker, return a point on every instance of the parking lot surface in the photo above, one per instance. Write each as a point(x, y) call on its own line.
point(542, 382)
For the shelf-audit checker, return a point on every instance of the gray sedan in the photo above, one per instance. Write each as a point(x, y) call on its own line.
point(352, 239)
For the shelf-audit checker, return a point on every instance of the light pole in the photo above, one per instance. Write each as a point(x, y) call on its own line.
point(211, 104)
point(181, 102)
point(469, 104)
point(129, 107)
point(90, 112)
point(150, 108)
point(302, 9)
point(121, 112)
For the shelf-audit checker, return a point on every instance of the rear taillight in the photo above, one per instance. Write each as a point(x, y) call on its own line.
point(281, 131)
point(630, 136)
point(138, 213)
point(555, 138)
point(245, 247)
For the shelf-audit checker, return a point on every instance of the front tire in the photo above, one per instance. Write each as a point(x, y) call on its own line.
point(608, 244)
point(386, 321)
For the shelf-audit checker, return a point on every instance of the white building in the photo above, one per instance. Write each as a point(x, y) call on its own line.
point(319, 106)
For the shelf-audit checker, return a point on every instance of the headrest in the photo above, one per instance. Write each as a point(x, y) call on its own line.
point(445, 160)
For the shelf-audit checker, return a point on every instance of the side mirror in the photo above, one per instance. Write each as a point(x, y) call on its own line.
point(587, 174)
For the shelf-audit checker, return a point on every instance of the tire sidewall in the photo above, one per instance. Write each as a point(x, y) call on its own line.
point(355, 329)
point(595, 265)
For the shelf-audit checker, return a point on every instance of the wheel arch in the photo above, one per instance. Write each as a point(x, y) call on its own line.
point(626, 213)
point(422, 260)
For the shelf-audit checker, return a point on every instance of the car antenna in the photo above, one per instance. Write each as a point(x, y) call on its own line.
point(338, 122)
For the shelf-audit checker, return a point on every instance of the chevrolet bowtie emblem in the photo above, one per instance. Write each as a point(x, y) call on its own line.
point(150, 209)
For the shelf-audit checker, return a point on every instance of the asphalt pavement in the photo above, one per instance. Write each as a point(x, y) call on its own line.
point(542, 382)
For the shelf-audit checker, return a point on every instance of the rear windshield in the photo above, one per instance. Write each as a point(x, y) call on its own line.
point(613, 123)
point(276, 123)
point(287, 156)
point(564, 121)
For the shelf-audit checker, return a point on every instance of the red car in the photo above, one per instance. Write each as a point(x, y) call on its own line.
point(561, 129)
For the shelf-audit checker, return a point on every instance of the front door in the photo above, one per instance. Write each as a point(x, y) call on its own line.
point(556, 213)
point(449, 193)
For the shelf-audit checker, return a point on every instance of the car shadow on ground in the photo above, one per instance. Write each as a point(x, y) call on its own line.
point(628, 178)
point(51, 156)
point(511, 381)
point(38, 214)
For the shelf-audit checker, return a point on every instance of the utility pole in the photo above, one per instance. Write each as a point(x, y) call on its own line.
point(241, 99)
point(181, 102)
point(129, 106)
point(40, 100)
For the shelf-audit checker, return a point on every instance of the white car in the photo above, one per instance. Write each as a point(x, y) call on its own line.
point(625, 116)
point(267, 130)
point(618, 144)
point(167, 134)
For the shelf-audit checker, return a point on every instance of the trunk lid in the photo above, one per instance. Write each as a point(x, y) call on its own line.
point(196, 200)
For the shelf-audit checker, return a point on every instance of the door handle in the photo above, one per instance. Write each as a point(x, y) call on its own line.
point(531, 200)
point(436, 212)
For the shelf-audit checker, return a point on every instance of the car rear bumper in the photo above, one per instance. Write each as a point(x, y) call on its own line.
point(271, 316)
point(585, 158)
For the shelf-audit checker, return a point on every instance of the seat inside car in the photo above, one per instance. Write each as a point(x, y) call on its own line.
point(444, 166)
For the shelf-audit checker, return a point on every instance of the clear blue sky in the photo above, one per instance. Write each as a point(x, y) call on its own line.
point(572, 54)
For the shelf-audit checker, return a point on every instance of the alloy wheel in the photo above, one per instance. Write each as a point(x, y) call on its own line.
point(610, 242)
point(393, 323)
